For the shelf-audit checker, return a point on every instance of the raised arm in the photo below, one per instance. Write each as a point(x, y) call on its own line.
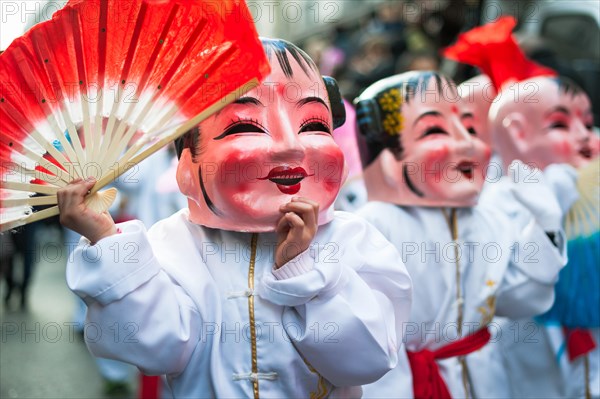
point(351, 294)
point(136, 312)
point(527, 199)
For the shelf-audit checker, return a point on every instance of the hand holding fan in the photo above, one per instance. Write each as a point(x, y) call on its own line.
point(105, 84)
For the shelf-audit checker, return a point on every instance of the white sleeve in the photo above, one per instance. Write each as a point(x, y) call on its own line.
point(136, 312)
point(562, 180)
point(351, 295)
point(527, 288)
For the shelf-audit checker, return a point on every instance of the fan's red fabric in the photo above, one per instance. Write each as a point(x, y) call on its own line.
point(191, 52)
point(493, 49)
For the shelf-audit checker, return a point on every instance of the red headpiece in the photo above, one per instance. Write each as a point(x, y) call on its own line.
point(493, 49)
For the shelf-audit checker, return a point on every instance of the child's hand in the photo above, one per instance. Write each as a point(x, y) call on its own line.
point(75, 215)
point(296, 229)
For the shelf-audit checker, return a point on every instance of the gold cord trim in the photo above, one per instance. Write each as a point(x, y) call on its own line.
point(452, 222)
point(586, 364)
point(251, 313)
point(322, 388)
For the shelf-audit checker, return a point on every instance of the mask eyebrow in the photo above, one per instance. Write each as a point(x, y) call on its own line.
point(309, 100)
point(430, 113)
point(242, 101)
point(467, 115)
point(559, 109)
point(248, 100)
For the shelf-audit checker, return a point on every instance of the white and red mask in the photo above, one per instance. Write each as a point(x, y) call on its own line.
point(537, 117)
point(543, 120)
point(423, 147)
point(272, 144)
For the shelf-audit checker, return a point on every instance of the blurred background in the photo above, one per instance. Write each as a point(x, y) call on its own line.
point(42, 353)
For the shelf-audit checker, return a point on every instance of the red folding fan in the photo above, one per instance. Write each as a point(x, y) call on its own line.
point(105, 84)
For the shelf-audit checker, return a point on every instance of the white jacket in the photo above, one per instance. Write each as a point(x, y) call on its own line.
point(508, 267)
point(179, 301)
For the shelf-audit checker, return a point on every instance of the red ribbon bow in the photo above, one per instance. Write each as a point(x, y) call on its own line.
point(427, 381)
point(579, 342)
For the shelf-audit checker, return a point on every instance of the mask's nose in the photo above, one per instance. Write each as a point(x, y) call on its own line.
point(461, 134)
point(580, 133)
point(287, 146)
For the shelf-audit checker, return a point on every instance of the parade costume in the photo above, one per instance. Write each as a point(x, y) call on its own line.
point(546, 120)
point(424, 170)
point(206, 305)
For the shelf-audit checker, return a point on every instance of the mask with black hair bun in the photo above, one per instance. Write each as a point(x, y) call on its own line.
point(418, 147)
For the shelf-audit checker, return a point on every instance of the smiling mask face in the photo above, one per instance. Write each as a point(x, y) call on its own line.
point(272, 144)
point(544, 121)
point(433, 155)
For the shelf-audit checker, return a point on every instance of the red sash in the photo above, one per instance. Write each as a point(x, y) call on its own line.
point(427, 381)
point(579, 342)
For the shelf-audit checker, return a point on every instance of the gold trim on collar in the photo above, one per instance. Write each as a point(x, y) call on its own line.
point(452, 221)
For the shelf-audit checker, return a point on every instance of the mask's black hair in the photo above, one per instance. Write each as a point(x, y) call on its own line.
point(279, 47)
point(370, 114)
point(418, 83)
point(568, 87)
point(191, 138)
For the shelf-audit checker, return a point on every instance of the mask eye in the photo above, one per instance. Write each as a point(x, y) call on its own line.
point(315, 124)
point(434, 130)
point(242, 126)
point(472, 131)
point(559, 125)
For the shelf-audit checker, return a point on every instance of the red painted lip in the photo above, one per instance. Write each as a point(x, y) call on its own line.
point(466, 168)
point(586, 152)
point(285, 175)
point(287, 179)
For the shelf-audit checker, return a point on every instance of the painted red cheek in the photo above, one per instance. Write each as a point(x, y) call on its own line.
point(437, 154)
point(563, 148)
point(330, 170)
point(434, 161)
point(487, 152)
point(243, 187)
point(236, 167)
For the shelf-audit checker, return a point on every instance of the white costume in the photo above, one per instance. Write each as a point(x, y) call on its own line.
point(508, 267)
point(205, 307)
point(537, 363)
point(531, 357)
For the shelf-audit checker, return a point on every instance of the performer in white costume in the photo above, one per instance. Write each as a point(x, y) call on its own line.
point(546, 120)
point(558, 127)
point(259, 289)
point(468, 260)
